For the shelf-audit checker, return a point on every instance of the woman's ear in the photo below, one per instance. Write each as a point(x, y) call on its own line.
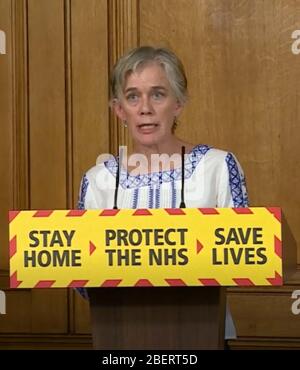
point(178, 108)
point(118, 109)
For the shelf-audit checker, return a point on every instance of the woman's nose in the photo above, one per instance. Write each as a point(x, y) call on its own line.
point(146, 106)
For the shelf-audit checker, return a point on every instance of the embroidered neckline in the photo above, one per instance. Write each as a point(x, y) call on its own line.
point(156, 178)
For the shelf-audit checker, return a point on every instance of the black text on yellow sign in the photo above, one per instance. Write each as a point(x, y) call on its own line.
point(193, 247)
point(44, 253)
point(123, 247)
point(230, 246)
point(169, 246)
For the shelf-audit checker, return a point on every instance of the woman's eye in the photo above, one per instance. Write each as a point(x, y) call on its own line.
point(132, 97)
point(158, 95)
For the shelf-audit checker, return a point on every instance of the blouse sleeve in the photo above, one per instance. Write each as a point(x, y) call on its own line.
point(82, 200)
point(86, 198)
point(82, 192)
point(232, 191)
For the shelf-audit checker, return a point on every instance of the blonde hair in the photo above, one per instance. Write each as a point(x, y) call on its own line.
point(141, 56)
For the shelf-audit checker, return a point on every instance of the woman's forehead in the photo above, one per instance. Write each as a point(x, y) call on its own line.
point(150, 74)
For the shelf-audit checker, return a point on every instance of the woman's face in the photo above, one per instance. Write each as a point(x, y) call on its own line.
point(148, 105)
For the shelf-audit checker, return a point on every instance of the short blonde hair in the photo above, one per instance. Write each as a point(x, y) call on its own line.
point(141, 56)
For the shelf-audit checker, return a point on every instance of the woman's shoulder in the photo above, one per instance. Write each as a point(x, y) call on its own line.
point(103, 167)
point(209, 151)
point(209, 155)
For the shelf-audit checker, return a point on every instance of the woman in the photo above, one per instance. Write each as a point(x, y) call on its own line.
point(149, 91)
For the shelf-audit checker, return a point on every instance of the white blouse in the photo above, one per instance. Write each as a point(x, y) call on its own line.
point(212, 178)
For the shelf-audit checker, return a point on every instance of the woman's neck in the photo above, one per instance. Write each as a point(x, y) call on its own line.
point(159, 157)
point(173, 145)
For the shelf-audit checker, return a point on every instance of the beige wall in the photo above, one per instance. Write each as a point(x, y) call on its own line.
point(54, 119)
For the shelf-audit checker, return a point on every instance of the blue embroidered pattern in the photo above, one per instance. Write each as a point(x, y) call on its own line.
point(83, 189)
point(127, 181)
point(157, 197)
point(245, 194)
point(173, 189)
point(84, 186)
point(135, 198)
point(151, 191)
point(236, 183)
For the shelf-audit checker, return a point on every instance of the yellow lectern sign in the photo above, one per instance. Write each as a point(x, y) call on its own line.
point(145, 247)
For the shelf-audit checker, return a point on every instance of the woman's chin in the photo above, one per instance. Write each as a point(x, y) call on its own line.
point(147, 140)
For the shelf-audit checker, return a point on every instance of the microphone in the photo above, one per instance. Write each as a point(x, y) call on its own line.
point(119, 161)
point(182, 203)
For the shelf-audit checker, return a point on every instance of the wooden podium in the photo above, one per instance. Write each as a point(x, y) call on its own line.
point(155, 277)
point(154, 318)
point(167, 318)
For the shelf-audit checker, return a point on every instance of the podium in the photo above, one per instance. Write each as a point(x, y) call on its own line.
point(158, 318)
point(167, 318)
point(156, 278)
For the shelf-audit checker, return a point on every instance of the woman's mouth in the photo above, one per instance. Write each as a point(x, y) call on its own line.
point(147, 128)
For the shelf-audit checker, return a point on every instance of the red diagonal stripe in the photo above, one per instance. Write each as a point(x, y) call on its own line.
point(208, 211)
point(42, 213)
point(276, 211)
point(44, 284)
point(109, 212)
point(277, 246)
point(175, 282)
point(143, 282)
point(209, 282)
point(92, 248)
point(12, 215)
point(175, 211)
point(243, 281)
point(111, 283)
point(76, 213)
point(277, 280)
point(77, 283)
point(142, 212)
point(13, 246)
point(199, 246)
point(14, 282)
point(242, 211)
